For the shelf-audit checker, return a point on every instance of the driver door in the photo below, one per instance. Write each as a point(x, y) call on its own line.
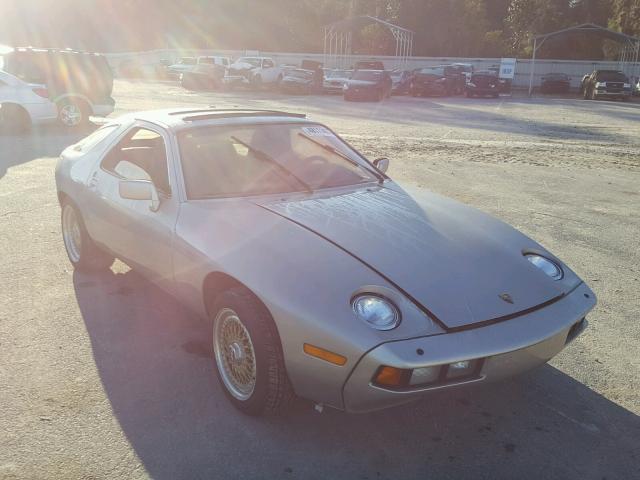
point(136, 234)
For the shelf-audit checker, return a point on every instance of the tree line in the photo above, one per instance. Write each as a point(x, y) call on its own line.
point(463, 28)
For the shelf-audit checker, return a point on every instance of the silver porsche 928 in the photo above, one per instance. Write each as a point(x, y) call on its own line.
point(319, 275)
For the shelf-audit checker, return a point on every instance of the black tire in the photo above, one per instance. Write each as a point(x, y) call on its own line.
point(272, 393)
point(73, 113)
point(14, 119)
point(89, 257)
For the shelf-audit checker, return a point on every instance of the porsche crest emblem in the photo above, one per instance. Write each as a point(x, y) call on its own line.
point(506, 298)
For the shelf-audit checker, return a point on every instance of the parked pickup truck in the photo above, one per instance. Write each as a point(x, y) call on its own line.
point(607, 84)
point(257, 70)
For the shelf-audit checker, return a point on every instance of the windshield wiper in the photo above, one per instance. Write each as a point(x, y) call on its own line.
point(337, 152)
point(260, 155)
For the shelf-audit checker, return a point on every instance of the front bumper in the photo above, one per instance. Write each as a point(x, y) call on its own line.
point(618, 94)
point(362, 93)
point(506, 349)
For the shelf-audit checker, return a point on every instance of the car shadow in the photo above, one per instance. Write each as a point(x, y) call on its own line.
point(154, 360)
point(38, 142)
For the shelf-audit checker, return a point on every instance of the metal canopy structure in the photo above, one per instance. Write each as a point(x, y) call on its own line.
point(629, 53)
point(338, 40)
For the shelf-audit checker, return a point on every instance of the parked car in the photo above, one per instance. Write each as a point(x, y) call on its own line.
point(335, 80)
point(465, 69)
point(482, 84)
point(369, 65)
point(555, 83)
point(224, 62)
point(430, 81)
point(185, 64)
point(368, 85)
point(78, 83)
point(258, 71)
point(607, 84)
point(504, 84)
point(401, 79)
point(317, 274)
point(457, 78)
point(300, 81)
point(23, 104)
point(204, 76)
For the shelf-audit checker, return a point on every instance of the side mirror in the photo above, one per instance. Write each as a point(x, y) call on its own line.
point(382, 164)
point(140, 190)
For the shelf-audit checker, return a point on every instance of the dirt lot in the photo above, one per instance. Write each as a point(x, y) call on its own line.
point(104, 377)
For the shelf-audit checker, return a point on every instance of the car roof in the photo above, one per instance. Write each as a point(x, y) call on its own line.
point(181, 118)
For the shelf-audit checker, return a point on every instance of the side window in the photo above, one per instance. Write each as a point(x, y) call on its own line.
point(267, 64)
point(141, 155)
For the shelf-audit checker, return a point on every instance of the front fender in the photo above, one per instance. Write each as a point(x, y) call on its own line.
point(306, 283)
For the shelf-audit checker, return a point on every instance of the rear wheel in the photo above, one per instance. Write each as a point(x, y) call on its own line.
point(83, 253)
point(73, 113)
point(248, 355)
point(14, 118)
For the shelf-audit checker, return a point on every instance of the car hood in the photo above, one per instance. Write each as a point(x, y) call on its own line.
point(451, 260)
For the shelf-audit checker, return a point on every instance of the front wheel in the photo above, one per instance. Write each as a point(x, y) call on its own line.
point(83, 253)
point(248, 355)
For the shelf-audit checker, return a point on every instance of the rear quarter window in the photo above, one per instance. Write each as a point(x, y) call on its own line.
point(97, 137)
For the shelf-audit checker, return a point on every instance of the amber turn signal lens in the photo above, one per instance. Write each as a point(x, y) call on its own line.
point(325, 355)
point(391, 376)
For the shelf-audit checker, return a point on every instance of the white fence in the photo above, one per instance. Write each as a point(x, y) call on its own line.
point(574, 68)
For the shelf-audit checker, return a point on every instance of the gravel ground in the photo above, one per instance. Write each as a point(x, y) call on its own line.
point(105, 377)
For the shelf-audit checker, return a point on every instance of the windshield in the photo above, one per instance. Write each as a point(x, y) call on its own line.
point(612, 77)
point(263, 159)
point(367, 75)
